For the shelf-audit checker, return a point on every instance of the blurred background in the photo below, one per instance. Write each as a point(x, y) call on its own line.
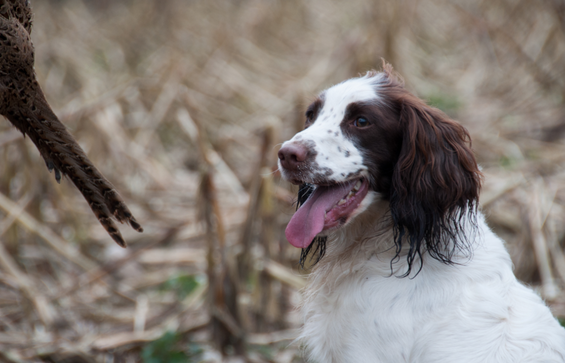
point(183, 106)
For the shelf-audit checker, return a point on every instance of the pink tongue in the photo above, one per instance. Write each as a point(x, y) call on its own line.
point(308, 221)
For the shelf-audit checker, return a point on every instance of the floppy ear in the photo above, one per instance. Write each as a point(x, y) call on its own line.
point(435, 186)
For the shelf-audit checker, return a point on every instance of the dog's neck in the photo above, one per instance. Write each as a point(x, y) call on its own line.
point(369, 236)
point(368, 242)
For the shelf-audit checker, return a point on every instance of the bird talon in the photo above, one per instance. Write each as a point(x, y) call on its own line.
point(50, 165)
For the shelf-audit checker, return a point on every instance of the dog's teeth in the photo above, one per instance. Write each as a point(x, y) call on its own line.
point(341, 202)
point(357, 186)
point(351, 193)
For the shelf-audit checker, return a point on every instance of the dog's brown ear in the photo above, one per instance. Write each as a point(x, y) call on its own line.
point(436, 183)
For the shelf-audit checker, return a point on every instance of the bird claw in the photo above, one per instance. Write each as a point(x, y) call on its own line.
point(51, 167)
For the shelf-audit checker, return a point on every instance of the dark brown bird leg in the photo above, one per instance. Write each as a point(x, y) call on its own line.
point(22, 102)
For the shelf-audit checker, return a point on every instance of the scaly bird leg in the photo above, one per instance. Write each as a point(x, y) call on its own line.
point(23, 103)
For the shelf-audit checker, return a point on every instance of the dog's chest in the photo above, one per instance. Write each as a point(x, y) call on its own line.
point(368, 316)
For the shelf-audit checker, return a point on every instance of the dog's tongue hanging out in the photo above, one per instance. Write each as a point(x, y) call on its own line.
point(326, 208)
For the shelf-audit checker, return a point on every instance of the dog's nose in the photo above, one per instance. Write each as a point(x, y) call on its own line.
point(292, 155)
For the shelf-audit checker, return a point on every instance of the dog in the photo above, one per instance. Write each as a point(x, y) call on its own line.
point(407, 269)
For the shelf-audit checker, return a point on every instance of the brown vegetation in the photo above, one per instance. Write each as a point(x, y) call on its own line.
point(181, 105)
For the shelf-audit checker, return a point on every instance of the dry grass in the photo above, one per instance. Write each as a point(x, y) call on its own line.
point(182, 105)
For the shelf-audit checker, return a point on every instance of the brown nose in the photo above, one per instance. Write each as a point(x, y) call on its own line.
point(292, 155)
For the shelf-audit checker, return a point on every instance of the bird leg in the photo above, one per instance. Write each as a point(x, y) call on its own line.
point(23, 103)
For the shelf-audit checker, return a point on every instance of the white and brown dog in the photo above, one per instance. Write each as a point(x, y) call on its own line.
point(410, 270)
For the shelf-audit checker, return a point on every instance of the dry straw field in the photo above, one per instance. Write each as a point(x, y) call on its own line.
point(182, 105)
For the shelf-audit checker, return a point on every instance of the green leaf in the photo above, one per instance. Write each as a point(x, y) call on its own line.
point(164, 350)
point(183, 285)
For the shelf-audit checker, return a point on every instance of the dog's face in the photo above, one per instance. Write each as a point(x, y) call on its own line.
point(370, 139)
point(347, 150)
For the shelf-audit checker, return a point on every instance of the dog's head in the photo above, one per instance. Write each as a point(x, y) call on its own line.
point(369, 139)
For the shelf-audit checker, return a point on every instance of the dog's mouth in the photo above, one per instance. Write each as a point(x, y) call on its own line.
point(328, 207)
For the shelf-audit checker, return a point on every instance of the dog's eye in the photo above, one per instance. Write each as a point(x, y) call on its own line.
point(361, 122)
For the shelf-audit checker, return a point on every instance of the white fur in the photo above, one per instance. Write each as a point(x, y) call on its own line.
point(329, 142)
point(357, 309)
